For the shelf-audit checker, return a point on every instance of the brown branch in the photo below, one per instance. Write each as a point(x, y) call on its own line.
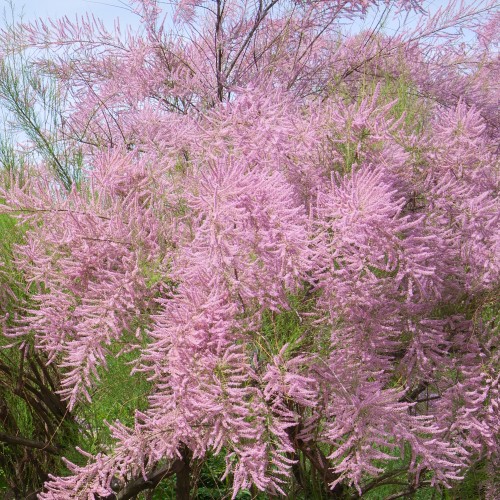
point(219, 54)
point(43, 366)
point(134, 487)
point(48, 210)
point(383, 479)
point(320, 463)
point(411, 396)
point(261, 15)
point(29, 443)
point(183, 476)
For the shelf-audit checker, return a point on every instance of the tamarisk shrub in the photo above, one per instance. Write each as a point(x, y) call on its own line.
point(244, 163)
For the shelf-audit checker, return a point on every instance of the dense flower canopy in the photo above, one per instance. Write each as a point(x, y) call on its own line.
point(249, 164)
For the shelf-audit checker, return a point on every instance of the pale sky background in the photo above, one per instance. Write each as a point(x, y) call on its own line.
point(108, 10)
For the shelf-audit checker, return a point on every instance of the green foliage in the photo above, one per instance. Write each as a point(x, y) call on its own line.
point(12, 290)
point(282, 328)
point(117, 396)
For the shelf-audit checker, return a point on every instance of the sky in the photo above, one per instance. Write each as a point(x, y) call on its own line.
point(107, 10)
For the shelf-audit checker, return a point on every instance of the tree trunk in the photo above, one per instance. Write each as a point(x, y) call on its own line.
point(183, 477)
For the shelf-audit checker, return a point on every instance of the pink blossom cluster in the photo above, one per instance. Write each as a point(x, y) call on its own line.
point(243, 172)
